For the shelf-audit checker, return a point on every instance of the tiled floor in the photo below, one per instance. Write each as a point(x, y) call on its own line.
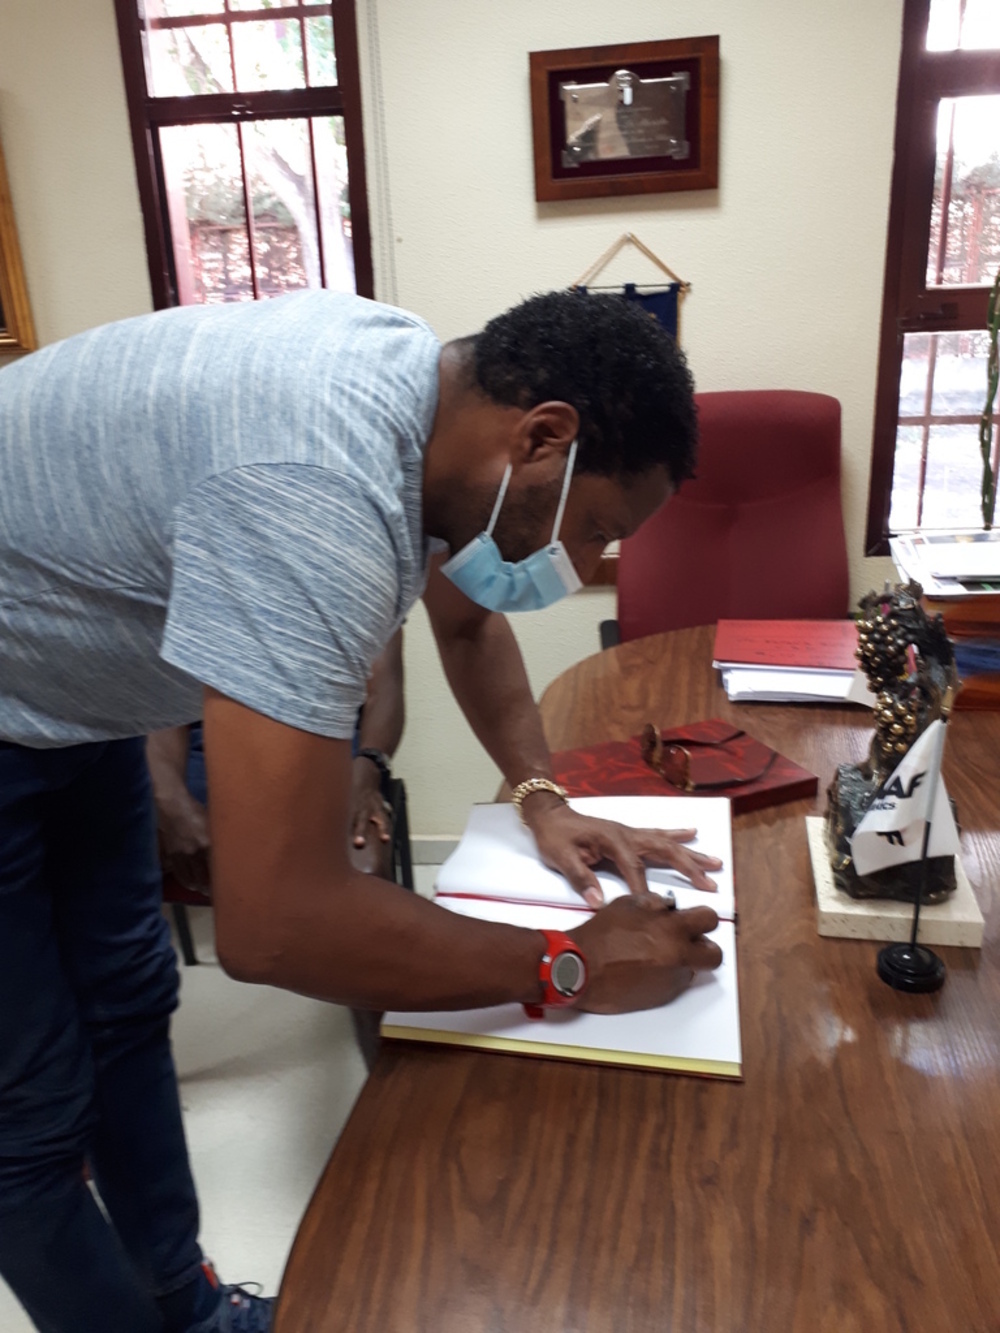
point(267, 1081)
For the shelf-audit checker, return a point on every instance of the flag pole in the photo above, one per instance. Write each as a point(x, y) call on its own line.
point(911, 966)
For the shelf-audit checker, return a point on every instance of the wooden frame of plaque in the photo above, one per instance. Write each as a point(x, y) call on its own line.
point(17, 330)
point(641, 118)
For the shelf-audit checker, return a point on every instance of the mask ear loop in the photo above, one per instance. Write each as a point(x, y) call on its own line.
point(499, 500)
point(570, 460)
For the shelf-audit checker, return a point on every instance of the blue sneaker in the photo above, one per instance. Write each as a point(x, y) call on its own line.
point(238, 1311)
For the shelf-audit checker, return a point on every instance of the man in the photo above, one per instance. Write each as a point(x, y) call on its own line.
point(225, 512)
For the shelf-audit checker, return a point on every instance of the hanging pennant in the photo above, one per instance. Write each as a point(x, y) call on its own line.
point(662, 305)
point(661, 302)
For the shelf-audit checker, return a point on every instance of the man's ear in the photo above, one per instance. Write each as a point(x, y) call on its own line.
point(546, 432)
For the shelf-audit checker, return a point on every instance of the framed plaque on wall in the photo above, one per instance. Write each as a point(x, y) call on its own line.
point(642, 118)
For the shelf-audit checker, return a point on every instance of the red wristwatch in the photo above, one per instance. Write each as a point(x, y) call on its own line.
point(562, 972)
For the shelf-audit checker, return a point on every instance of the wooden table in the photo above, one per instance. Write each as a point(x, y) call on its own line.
point(851, 1183)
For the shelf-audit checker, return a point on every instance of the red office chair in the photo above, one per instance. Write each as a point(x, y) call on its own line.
point(758, 534)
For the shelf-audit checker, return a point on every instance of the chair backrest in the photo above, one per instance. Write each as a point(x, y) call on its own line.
point(758, 534)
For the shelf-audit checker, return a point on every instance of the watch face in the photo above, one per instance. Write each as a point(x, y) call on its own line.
point(568, 973)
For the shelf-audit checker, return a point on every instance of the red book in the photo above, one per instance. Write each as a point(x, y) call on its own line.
point(617, 768)
point(823, 644)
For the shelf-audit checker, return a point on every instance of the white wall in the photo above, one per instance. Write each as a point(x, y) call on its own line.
point(66, 140)
point(785, 258)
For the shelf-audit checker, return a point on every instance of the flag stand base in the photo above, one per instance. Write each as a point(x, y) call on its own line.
point(911, 967)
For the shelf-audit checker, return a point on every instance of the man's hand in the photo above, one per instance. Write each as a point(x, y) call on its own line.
point(370, 828)
point(184, 842)
point(182, 821)
point(369, 814)
point(641, 953)
point(574, 844)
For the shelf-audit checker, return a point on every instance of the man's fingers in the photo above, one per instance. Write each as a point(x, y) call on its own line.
point(686, 864)
point(703, 955)
point(662, 851)
point(380, 819)
point(698, 921)
point(680, 834)
point(191, 871)
point(622, 851)
point(584, 881)
point(660, 847)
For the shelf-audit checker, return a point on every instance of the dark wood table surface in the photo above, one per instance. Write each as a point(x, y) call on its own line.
point(850, 1183)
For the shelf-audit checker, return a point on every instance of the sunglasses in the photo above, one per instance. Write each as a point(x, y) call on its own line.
point(688, 765)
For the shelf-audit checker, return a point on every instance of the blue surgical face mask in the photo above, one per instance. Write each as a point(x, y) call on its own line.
point(481, 572)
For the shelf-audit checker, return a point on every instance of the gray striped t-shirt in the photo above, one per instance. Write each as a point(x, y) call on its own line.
point(228, 495)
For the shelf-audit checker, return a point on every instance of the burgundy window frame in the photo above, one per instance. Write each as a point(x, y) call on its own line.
point(148, 114)
point(908, 304)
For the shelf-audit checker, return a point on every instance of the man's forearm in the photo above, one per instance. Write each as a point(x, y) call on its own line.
point(486, 673)
point(384, 714)
point(370, 944)
point(291, 912)
point(166, 756)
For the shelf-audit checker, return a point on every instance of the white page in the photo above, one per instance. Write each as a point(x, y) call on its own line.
point(911, 559)
point(698, 1032)
point(497, 856)
point(822, 672)
point(964, 560)
point(766, 685)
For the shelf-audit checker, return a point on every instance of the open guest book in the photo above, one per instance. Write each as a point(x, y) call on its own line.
point(496, 874)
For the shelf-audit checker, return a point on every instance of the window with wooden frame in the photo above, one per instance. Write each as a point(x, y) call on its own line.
point(246, 124)
point(942, 256)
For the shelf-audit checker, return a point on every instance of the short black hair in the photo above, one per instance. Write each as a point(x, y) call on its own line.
point(612, 361)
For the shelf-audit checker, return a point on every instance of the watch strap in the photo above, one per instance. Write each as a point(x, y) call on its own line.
point(557, 945)
point(378, 758)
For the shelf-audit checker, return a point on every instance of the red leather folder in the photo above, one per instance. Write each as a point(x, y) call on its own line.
point(820, 644)
point(724, 762)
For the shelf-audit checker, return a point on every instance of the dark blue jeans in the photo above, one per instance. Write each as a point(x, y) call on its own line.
point(88, 980)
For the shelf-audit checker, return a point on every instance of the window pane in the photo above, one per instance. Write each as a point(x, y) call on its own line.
point(320, 52)
point(967, 248)
point(334, 202)
point(279, 168)
point(184, 61)
point(201, 167)
point(954, 472)
point(268, 55)
point(260, 4)
point(212, 242)
point(905, 479)
point(942, 392)
point(948, 30)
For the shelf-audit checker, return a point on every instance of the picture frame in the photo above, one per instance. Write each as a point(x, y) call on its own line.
point(17, 329)
point(637, 118)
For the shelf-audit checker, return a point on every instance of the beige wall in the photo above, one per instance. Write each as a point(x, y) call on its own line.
point(69, 157)
point(785, 258)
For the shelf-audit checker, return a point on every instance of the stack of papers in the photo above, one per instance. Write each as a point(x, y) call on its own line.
point(957, 565)
point(790, 661)
point(495, 874)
